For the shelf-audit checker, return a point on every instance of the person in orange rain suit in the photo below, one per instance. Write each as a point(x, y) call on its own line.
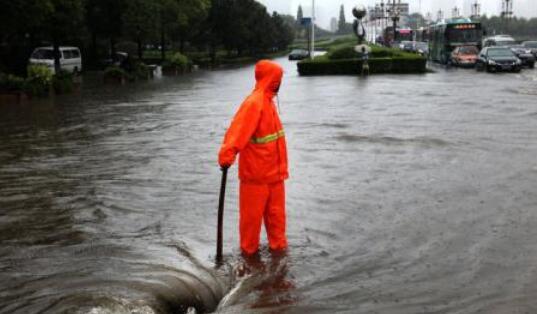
point(256, 133)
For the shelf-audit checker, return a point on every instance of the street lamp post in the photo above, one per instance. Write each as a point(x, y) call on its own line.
point(382, 20)
point(440, 15)
point(395, 18)
point(476, 8)
point(312, 46)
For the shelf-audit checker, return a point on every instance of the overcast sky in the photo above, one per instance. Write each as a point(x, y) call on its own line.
point(326, 9)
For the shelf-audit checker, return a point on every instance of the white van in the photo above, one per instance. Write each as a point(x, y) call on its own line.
point(70, 58)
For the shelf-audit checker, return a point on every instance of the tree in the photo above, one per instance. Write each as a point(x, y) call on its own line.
point(61, 22)
point(20, 25)
point(416, 20)
point(283, 30)
point(104, 18)
point(342, 24)
point(140, 23)
point(191, 18)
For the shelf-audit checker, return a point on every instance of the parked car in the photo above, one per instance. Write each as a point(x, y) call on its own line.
point(499, 40)
point(299, 54)
point(422, 48)
point(531, 45)
point(495, 59)
point(525, 55)
point(464, 56)
point(70, 58)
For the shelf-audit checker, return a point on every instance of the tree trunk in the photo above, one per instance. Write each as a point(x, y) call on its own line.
point(94, 48)
point(140, 50)
point(212, 52)
point(162, 44)
point(112, 48)
point(57, 56)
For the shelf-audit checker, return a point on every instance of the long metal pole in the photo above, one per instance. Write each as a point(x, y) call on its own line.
point(220, 232)
point(312, 51)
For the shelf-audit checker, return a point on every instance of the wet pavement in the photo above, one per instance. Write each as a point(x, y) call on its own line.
point(408, 194)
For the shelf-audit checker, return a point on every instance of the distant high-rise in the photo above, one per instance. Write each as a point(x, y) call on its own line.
point(333, 25)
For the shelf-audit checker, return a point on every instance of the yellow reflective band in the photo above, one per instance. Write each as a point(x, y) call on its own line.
point(269, 138)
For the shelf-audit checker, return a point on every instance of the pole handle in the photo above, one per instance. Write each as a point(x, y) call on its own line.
point(220, 229)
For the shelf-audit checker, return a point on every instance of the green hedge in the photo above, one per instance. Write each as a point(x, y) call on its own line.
point(348, 52)
point(402, 65)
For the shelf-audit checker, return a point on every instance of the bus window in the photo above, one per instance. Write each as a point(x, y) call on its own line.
point(463, 36)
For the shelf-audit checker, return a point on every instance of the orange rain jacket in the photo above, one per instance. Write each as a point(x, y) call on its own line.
point(256, 132)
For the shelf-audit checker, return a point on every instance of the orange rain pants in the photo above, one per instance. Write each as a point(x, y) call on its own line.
point(262, 202)
point(256, 133)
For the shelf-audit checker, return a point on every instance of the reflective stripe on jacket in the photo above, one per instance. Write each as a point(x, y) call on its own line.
point(256, 132)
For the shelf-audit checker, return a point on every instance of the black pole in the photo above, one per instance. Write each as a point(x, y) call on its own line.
point(220, 232)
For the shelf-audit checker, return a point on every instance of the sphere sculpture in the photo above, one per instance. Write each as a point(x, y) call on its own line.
point(359, 12)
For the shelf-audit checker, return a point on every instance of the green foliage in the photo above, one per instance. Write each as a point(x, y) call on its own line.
point(343, 53)
point(400, 65)
point(63, 82)
point(11, 83)
point(39, 80)
point(344, 49)
point(141, 70)
point(520, 28)
point(245, 27)
point(115, 72)
point(242, 27)
point(177, 60)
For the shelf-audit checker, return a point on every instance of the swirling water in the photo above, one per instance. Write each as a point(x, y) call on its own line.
point(408, 194)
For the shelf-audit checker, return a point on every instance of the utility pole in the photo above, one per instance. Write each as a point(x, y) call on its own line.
point(440, 15)
point(419, 20)
point(312, 47)
point(507, 12)
point(395, 17)
point(455, 12)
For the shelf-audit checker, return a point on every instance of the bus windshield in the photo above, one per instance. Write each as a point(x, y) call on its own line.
point(463, 35)
point(404, 35)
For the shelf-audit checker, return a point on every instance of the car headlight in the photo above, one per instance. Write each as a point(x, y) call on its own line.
point(518, 61)
point(492, 62)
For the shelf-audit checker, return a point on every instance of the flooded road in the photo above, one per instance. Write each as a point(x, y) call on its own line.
point(408, 194)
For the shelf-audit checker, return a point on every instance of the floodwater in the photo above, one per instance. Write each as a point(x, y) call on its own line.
point(408, 194)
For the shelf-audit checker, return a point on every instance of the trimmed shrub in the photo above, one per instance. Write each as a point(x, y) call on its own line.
point(11, 83)
point(39, 80)
point(354, 66)
point(343, 53)
point(63, 82)
point(177, 61)
point(115, 72)
point(142, 71)
point(348, 52)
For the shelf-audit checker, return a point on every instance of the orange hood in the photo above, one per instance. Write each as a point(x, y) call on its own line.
point(268, 76)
